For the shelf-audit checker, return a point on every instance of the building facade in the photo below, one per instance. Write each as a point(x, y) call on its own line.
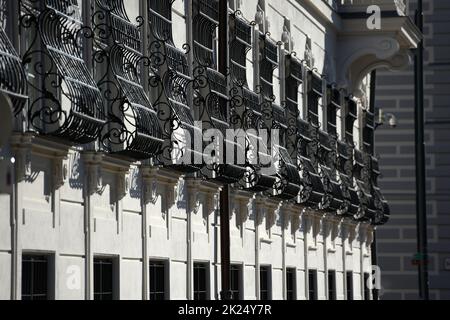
point(108, 193)
point(395, 94)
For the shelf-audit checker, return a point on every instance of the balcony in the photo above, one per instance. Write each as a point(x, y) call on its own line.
point(66, 102)
point(170, 79)
point(13, 81)
point(133, 128)
point(350, 204)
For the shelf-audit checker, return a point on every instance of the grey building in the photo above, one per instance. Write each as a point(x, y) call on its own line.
point(395, 94)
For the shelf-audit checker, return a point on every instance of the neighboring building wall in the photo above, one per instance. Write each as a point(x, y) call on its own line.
point(397, 241)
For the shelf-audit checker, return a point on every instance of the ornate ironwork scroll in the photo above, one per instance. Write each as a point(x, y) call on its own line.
point(350, 203)
point(13, 81)
point(65, 101)
point(212, 100)
point(133, 128)
point(333, 198)
point(312, 191)
point(362, 169)
point(171, 83)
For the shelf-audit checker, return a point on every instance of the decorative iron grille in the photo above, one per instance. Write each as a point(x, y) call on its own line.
point(171, 82)
point(65, 101)
point(133, 128)
point(13, 81)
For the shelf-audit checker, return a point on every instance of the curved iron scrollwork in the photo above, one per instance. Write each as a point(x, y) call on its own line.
point(171, 83)
point(333, 198)
point(66, 101)
point(362, 169)
point(312, 192)
point(350, 203)
point(133, 128)
point(13, 81)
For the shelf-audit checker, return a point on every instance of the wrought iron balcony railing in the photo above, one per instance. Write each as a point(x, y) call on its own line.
point(333, 197)
point(65, 101)
point(13, 81)
point(133, 128)
point(171, 83)
point(312, 191)
point(350, 204)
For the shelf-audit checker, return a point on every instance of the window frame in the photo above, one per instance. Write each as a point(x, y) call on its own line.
point(331, 285)
point(293, 281)
point(49, 265)
point(268, 283)
point(349, 290)
point(313, 289)
point(166, 282)
point(107, 260)
point(198, 265)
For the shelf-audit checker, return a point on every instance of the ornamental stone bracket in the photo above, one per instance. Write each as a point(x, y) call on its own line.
point(198, 188)
point(93, 168)
point(268, 208)
point(241, 200)
point(158, 181)
point(362, 50)
point(24, 145)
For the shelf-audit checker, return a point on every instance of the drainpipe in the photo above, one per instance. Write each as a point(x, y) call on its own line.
point(373, 246)
point(225, 192)
point(421, 202)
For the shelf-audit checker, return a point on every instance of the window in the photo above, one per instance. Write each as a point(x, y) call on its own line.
point(349, 281)
point(291, 279)
point(103, 279)
point(235, 287)
point(312, 284)
point(200, 281)
point(367, 290)
point(331, 285)
point(34, 277)
point(157, 280)
point(264, 283)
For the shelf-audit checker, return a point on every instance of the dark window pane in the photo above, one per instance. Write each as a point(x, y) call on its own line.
point(290, 284)
point(157, 280)
point(366, 287)
point(312, 277)
point(349, 276)
point(264, 286)
point(34, 277)
point(200, 281)
point(331, 285)
point(103, 279)
point(235, 282)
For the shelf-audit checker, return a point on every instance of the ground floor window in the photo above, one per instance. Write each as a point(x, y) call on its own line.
point(264, 283)
point(367, 289)
point(200, 281)
point(35, 277)
point(291, 280)
point(331, 285)
point(349, 281)
point(235, 285)
point(312, 284)
point(157, 280)
point(103, 279)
